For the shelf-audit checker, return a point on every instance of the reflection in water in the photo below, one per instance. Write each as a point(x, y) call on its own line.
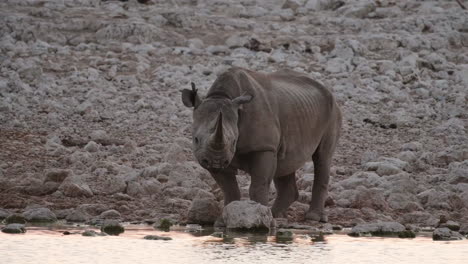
point(50, 246)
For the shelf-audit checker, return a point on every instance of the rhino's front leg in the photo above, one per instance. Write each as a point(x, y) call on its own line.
point(262, 168)
point(226, 180)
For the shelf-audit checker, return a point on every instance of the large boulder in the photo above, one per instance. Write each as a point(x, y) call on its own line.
point(128, 32)
point(118, 184)
point(48, 188)
point(380, 229)
point(420, 218)
point(452, 225)
point(464, 197)
point(177, 206)
point(134, 189)
point(445, 234)
point(317, 5)
point(78, 215)
point(39, 215)
point(62, 213)
point(464, 229)
point(4, 214)
point(371, 198)
point(358, 10)
point(53, 180)
point(458, 172)
point(110, 214)
point(177, 192)
point(204, 211)
point(404, 202)
point(412, 146)
point(386, 166)
point(93, 209)
point(439, 198)
point(361, 178)
point(151, 186)
point(14, 229)
point(245, 215)
point(57, 175)
point(75, 186)
point(401, 183)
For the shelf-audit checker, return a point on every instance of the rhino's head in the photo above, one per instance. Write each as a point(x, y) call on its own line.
point(214, 129)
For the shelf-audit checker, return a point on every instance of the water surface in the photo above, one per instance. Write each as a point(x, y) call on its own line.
point(51, 246)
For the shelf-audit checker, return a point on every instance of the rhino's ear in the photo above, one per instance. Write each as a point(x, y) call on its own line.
point(243, 99)
point(190, 98)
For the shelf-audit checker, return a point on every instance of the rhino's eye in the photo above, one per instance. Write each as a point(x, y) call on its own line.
point(196, 140)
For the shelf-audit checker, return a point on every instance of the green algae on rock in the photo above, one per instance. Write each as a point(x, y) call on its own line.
point(112, 227)
point(15, 219)
point(382, 229)
point(283, 235)
point(154, 237)
point(164, 224)
point(407, 234)
point(318, 237)
point(14, 229)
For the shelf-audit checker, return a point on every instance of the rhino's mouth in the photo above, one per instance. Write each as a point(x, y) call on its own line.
point(215, 164)
point(214, 170)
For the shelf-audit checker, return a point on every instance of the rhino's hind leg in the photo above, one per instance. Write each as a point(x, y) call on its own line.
point(322, 161)
point(286, 194)
point(226, 180)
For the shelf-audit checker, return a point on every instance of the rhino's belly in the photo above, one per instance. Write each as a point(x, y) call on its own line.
point(295, 155)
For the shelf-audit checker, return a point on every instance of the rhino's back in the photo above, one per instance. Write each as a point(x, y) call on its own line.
point(289, 114)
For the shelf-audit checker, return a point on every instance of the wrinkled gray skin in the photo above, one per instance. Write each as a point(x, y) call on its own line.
point(267, 125)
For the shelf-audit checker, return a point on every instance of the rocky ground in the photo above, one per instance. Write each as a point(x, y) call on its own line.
point(91, 118)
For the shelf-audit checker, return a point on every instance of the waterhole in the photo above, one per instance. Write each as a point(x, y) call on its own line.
point(50, 246)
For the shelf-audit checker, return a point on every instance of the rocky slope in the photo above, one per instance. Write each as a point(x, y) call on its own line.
point(91, 117)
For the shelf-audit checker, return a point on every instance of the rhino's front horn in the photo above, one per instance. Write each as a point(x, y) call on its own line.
point(218, 137)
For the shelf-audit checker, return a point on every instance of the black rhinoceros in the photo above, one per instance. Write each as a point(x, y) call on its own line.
point(267, 125)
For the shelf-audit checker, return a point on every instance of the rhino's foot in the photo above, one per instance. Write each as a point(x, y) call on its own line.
point(277, 214)
point(314, 216)
point(273, 224)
